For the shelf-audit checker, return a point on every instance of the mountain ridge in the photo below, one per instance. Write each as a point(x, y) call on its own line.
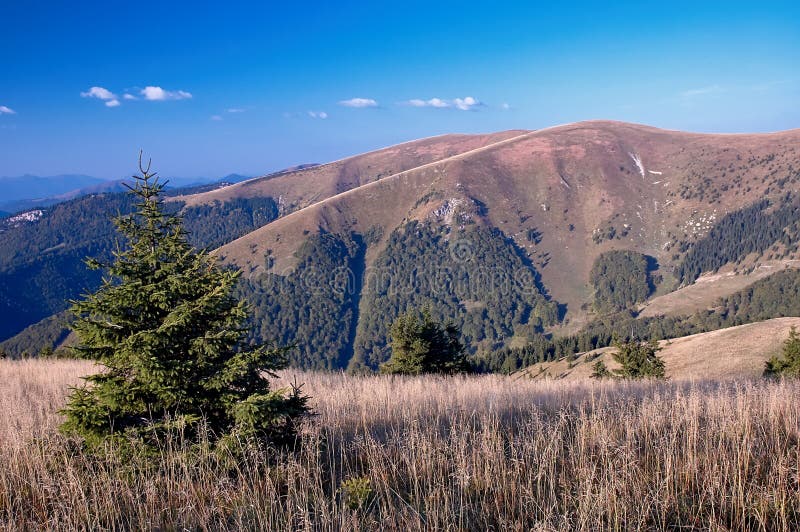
point(547, 203)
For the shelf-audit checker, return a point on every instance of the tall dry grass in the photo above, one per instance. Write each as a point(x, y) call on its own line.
point(479, 453)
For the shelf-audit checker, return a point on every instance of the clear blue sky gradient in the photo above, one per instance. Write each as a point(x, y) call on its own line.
point(697, 66)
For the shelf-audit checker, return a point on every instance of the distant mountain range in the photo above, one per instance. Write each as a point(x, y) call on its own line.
point(39, 187)
point(21, 193)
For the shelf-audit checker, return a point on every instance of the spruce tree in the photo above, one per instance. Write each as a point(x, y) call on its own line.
point(788, 365)
point(423, 345)
point(168, 334)
point(600, 370)
point(638, 360)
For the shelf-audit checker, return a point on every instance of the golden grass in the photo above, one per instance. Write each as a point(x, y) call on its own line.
point(477, 453)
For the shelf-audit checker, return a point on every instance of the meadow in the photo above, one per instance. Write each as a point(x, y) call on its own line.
point(428, 453)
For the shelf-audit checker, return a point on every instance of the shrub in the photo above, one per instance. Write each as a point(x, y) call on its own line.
point(357, 492)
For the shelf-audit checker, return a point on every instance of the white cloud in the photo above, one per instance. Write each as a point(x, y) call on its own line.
point(359, 102)
point(318, 114)
point(6, 110)
point(216, 118)
point(127, 96)
point(103, 94)
point(505, 106)
point(465, 104)
point(235, 110)
point(433, 102)
point(158, 94)
point(436, 102)
point(100, 93)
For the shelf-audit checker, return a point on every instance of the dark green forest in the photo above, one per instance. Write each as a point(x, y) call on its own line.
point(753, 229)
point(42, 262)
point(313, 308)
point(620, 279)
point(474, 276)
point(775, 296)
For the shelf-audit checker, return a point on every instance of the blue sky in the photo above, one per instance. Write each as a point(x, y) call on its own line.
point(228, 87)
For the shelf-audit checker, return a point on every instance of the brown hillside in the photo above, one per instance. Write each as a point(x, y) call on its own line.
point(297, 189)
point(735, 352)
point(708, 289)
point(568, 182)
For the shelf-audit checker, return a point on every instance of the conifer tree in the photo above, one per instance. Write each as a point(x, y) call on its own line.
point(788, 364)
point(168, 334)
point(638, 360)
point(425, 346)
point(600, 370)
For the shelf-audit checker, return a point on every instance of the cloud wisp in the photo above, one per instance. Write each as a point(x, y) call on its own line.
point(157, 94)
point(318, 114)
point(702, 91)
point(101, 93)
point(467, 103)
point(359, 103)
point(6, 110)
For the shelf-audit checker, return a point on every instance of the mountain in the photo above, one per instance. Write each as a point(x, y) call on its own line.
point(174, 186)
point(21, 205)
point(32, 187)
point(526, 239)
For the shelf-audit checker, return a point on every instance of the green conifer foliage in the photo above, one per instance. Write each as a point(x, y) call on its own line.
point(600, 370)
point(787, 365)
point(168, 333)
point(638, 360)
point(423, 345)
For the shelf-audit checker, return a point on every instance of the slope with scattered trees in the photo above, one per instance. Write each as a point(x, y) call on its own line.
point(42, 262)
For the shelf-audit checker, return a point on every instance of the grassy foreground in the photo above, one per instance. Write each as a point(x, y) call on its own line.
point(478, 453)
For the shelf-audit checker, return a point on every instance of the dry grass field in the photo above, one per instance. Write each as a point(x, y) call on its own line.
point(475, 453)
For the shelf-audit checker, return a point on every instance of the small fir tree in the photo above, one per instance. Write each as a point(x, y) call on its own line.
point(638, 360)
point(788, 365)
point(423, 345)
point(168, 332)
point(600, 370)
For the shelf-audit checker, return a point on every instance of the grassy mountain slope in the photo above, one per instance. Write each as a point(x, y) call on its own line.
point(734, 352)
point(307, 185)
point(574, 186)
point(708, 289)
